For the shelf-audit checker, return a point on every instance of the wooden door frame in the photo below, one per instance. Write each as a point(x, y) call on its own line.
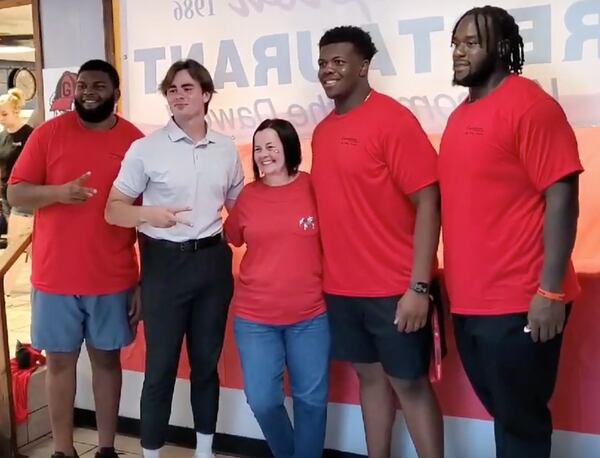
point(109, 29)
point(39, 58)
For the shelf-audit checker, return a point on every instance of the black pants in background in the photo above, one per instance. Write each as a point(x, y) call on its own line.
point(184, 292)
point(514, 379)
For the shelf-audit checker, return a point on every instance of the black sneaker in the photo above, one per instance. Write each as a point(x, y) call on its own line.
point(62, 455)
point(108, 452)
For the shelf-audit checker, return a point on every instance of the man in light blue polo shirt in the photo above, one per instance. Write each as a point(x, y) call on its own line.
point(185, 174)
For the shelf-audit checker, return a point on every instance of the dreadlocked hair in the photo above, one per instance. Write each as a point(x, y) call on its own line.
point(505, 28)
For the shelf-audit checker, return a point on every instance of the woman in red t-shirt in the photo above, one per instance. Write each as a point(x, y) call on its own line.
point(280, 318)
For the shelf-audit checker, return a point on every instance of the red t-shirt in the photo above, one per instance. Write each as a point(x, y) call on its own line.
point(366, 163)
point(74, 250)
point(280, 279)
point(497, 157)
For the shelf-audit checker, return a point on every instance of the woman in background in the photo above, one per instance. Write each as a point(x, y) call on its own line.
point(280, 318)
point(14, 135)
point(12, 140)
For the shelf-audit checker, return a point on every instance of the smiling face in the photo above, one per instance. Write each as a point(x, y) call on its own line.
point(474, 59)
point(95, 96)
point(341, 70)
point(269, 154)
point(186, 98)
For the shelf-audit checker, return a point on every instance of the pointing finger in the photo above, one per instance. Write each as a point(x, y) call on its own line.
point(83, 177)
point(180, 209)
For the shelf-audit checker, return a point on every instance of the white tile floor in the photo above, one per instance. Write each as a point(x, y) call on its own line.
point(126, 446)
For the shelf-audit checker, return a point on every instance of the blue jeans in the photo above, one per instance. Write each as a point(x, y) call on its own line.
point(265, 351)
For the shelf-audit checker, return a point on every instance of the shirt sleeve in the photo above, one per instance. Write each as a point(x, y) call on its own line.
point(234, 231)
point(132, 179)
point(547, 145)
point(236, 179)
point(30, 166)
point(409, 155)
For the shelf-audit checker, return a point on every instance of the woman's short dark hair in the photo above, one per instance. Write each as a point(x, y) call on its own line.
point(292, 151)
point(197, 71)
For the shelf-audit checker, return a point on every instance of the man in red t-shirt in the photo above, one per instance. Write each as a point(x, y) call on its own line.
point(375, 178)
point(84, 271)
point(509, 170)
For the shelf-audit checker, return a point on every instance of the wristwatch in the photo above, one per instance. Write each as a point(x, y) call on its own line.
point(420, 287)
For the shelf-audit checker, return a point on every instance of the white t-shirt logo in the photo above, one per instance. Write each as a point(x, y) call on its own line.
point(307, 223)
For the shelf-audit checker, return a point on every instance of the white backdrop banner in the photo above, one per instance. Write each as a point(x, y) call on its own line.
point(263, 53)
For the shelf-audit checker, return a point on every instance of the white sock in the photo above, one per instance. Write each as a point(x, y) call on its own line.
point(151, 453)
point(204, 444)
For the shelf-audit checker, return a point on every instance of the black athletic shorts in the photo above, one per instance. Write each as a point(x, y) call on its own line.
point(363, 331)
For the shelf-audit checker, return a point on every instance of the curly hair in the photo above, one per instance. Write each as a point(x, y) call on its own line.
point(360, 38)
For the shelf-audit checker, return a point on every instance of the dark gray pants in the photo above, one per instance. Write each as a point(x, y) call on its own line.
point(513, 378)
point(183, 293)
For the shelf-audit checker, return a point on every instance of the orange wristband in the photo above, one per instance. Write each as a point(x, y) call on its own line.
point(552, 296)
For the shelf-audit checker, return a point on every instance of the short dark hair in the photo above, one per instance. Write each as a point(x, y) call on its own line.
point(292, 152)
point(505, 28)
point(197, 71)
point(97, 65)
point(360, 38)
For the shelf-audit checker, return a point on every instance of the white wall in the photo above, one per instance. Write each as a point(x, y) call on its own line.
point(72, 32)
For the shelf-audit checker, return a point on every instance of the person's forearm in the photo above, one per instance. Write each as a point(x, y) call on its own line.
point(123, 214)
point(560, 228)
point(32, 196)
point(426, 237)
